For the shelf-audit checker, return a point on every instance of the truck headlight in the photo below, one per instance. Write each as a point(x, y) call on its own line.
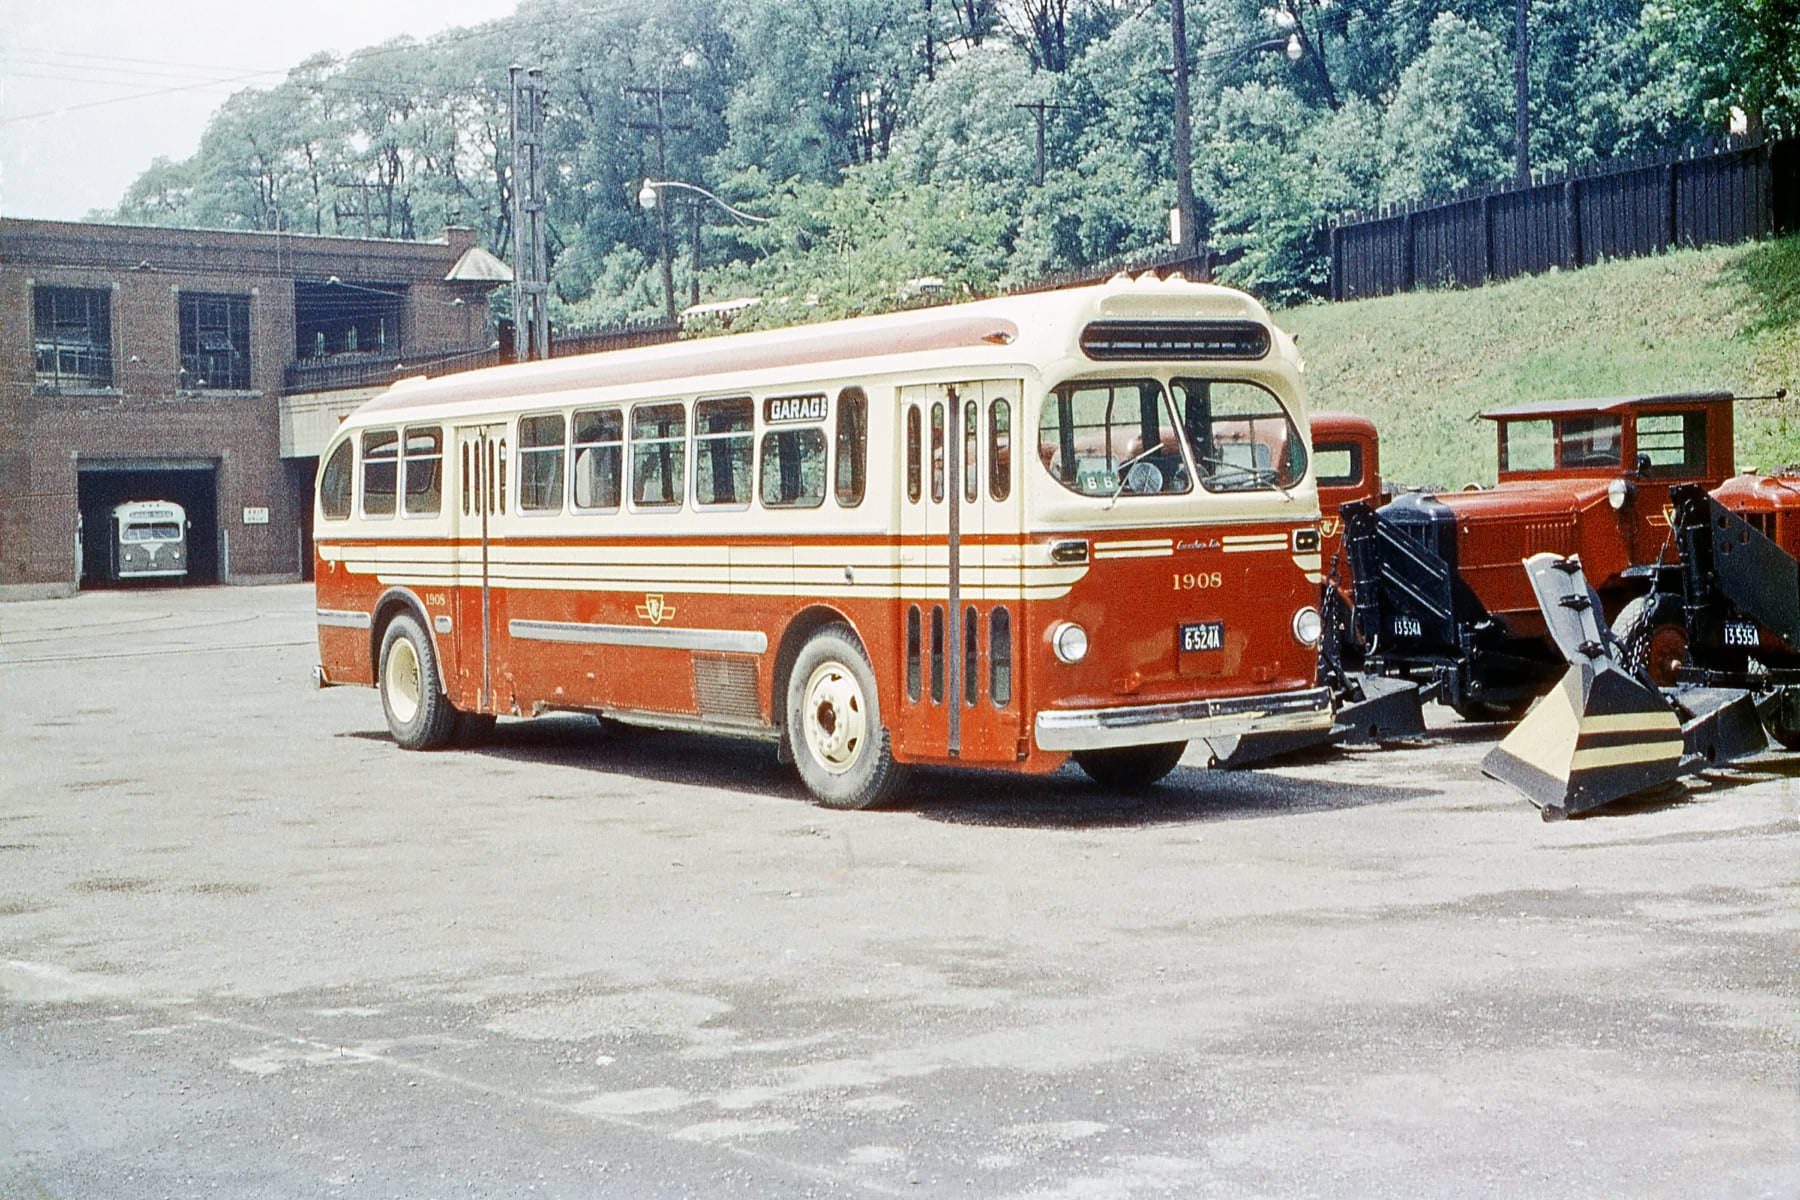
point(1309, 627)
point(1069, 641)
point(1618, 492)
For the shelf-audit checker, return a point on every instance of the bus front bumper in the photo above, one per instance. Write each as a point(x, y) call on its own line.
point(1147, 724)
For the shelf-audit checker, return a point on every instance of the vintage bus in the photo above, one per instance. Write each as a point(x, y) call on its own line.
point(149, 540)
point(999, 534)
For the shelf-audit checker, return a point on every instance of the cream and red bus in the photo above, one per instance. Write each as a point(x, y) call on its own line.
point(999, 534)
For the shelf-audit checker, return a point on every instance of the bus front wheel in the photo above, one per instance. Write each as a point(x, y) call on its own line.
point(834, 729)
point(1130, 768)
point(418, 713)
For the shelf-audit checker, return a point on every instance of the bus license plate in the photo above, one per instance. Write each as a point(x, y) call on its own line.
point(1406, 627)
point(1741, 633)
point(1206, 635)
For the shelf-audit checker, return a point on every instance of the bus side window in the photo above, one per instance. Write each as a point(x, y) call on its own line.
point(424, 463)
point(971, 452)
point(937, 452)
point(793, 468)
point(913, 452)
point(335, 482)
point(852, 446)
point(1000, 449)
point(541, 463)
point(658, 455)
point(722, 441)
point(598, 439)
point(381, 470)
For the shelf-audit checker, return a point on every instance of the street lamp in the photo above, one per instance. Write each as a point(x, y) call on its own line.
point(651, 192)
point(650, 199)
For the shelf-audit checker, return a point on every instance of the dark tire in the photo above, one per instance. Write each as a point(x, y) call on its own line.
point(472, 729)
point(1492, 710)
point(834, 730)
point(1130, 768)
point(418, 713)
point(1653, 638)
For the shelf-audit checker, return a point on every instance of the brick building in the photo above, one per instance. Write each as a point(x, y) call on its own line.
point(202, 367)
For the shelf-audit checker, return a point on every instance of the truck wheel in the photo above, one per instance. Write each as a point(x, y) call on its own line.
point(834, 728)
point(418, 713)
point(1479, 711)
point(1130, 768)
point(1653, 640)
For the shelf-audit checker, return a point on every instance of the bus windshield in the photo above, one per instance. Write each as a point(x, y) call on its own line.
point(1112, 437)
point(1240, 435)
point(159, 531)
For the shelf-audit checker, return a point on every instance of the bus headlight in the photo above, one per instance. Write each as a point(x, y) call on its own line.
point(1618, 492)
point(1069, 641)
point(1309, 627)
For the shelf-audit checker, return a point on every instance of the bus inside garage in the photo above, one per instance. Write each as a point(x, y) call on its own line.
point(191, 483)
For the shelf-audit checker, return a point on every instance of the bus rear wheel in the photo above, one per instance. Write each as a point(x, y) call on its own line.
point(1130, 768)
point(418, 713)
point(834, 729)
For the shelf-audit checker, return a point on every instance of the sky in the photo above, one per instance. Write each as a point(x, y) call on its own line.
point(120, 82)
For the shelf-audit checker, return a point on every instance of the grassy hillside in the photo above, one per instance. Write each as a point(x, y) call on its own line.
point(1422, 365)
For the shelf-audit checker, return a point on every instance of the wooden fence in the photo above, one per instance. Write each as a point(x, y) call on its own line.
point(1723, 192)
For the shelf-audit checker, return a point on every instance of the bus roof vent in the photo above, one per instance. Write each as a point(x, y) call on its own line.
point(1181, 340)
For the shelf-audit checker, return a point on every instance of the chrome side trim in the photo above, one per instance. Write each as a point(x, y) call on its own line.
point(343, 620)
point(728, 641)
point(680, 723)
point(1144, 724)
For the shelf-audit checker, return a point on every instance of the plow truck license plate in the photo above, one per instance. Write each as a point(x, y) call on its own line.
point(1741, 633)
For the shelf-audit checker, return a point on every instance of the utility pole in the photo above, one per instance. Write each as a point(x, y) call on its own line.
point(1522, 95)
point(531, 265)
point(1038, 109)
point(1184, 137)
point(661, 127)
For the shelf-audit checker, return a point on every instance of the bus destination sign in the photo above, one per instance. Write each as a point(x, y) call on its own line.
point(778, 410)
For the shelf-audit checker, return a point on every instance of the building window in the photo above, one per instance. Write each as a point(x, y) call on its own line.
point(73, 334)
point(215, 342)
point(336, 317)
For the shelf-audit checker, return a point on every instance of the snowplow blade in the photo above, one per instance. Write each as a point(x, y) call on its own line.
point(1598, 735)
point(1388, 710)
point(1718, 725)
point(1373, 709)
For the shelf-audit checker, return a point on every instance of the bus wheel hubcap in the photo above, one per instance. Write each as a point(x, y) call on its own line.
point(835, 716)
point(402, 680)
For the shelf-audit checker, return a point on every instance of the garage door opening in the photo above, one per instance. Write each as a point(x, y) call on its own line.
point(101, 488)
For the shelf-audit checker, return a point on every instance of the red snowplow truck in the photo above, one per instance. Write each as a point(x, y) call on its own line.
point(1441, 597)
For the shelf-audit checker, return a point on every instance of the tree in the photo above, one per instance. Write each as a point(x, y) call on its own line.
point(1450, 125)
point(1735, 54)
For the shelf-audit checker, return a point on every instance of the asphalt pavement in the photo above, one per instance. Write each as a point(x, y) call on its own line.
point(248, 947)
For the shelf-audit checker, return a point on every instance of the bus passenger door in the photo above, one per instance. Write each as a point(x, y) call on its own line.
point(951, 578)
point(480, 498)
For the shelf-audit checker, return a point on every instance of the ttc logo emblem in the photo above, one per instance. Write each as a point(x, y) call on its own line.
point(654, 610)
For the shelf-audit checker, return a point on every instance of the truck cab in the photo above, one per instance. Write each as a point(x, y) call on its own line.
point(1445, 595)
